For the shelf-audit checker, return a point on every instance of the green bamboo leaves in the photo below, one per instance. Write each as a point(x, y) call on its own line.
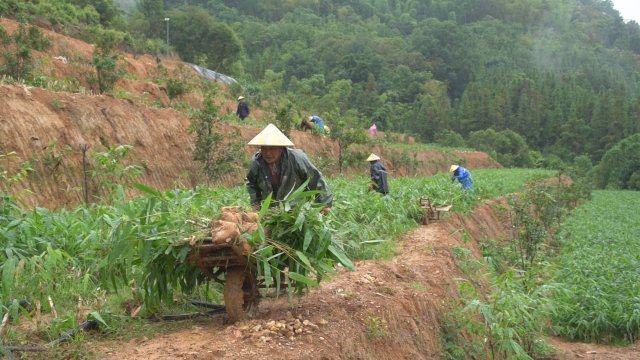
point(599, 282)
point(134, 246)
point(297, 242)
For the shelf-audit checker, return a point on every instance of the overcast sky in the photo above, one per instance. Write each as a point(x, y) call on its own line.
point(628, 9)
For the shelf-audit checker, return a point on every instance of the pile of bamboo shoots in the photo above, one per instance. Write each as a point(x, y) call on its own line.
point(234, 222)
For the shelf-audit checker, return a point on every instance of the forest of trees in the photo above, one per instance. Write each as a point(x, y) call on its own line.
point(528, 80)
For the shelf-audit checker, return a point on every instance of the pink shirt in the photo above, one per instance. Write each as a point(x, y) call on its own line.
point(373, 130)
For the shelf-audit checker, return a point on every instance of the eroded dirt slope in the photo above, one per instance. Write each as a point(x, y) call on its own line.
point(48, 128)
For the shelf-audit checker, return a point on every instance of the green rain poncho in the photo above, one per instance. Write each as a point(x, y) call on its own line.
point(294, 169)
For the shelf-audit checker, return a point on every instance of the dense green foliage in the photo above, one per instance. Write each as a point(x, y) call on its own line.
point(18, 61)
point(555, 77)
point(294, 240)
point(559, 74)
point(511, 317)
point(597, 275)
point(620, 166)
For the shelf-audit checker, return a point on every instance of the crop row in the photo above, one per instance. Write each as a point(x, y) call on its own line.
point(598, 297)
point(65, 254)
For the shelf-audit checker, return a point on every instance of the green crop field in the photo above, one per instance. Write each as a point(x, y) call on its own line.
point(56, 257)
point(598, 276)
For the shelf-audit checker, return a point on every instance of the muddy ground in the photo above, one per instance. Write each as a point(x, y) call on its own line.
point(384, 310)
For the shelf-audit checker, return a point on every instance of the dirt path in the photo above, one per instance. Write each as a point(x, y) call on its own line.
point(384, 310)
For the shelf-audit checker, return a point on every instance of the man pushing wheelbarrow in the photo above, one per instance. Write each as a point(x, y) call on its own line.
point(288, 241)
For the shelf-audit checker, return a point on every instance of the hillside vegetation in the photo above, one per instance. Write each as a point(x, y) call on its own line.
point(100, 100)
point(160, 121)
point(534, 83)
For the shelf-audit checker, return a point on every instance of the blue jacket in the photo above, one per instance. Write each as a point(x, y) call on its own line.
point(318, 121)
point(464, 177)
point(379, 177)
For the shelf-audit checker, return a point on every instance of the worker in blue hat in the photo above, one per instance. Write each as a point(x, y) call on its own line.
point(462, 175)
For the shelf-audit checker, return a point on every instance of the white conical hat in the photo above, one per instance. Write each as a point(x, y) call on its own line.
point(271, 136)
point(240, 98)
point(453, 168)
point(373, 157)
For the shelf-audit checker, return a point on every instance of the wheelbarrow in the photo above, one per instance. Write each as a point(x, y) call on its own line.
point(226, 264)
point(431, 212)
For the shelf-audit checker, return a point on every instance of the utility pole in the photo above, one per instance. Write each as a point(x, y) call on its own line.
point(167, 21)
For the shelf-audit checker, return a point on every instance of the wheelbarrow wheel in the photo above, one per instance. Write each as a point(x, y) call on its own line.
point(241, 293)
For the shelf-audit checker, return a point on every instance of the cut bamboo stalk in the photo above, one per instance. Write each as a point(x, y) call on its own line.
point(80, 311)
point(53, 308)
point(3, 326)
point(38, 313)
point(136, 311)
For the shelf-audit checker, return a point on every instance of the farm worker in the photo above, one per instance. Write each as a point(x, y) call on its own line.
point(280, 170)
point(378, 175)
point(373, 130)
point(306, 124)
point(243, 108)
point(317, 120)
point(463, 175)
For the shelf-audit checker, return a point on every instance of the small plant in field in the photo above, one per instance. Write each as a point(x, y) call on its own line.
point(465, 261)
point(19, 61)
point(12, 174)
point(54, 156)
point(56, 104)
point(122, 94)
point(105, 61)
point(376, 327)
point(284, 119)
point(176, 87)
point(352, 157)
point(535, 215)
point(220, 155)
point(402, 159)
point(326, 161)
point(113, 169)
point(417, 286)
point(509, 320)
point(457, 330)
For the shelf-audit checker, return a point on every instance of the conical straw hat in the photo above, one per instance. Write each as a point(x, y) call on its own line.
point(373, 157)
point(453, 168)
point(271, 136)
